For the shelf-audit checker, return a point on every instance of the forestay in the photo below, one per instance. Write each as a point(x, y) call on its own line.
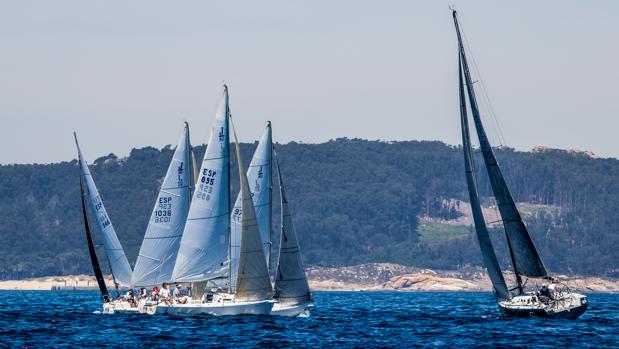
point(485, 244)
point(291, 285)
point(113, 249)
point(259, 179)
point(525, 257)
point(203, 250)
point(253, 282)
point(163, 235)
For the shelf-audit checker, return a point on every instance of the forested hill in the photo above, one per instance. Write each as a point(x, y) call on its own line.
point(353, 201)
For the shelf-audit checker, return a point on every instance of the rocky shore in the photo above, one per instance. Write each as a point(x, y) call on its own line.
point(364, 277)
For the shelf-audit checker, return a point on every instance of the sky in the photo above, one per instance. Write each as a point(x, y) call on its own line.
point(127, 74)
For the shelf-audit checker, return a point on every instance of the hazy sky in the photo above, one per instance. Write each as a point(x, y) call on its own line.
point(126, 74)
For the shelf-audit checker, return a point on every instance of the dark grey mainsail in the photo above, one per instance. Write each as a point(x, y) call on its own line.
point(291, 285)
point(96, 268)
point(485, 244)
point(525, 258)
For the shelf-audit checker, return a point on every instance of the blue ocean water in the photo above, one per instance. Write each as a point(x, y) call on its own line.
point(340, 319)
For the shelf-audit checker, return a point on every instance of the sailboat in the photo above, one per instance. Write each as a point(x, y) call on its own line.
point(205, 245)
point(292, 291)
point(92, 207)
point(525, 259)
point(281, 248)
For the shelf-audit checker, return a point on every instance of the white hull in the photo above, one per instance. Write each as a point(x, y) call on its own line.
point(568, 305)
point(216, 309)
point(292, 310)
point(116, 306)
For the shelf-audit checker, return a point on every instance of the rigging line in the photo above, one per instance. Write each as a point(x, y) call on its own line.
point(485, 95)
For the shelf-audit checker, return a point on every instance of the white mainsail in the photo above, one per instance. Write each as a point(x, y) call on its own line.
point(157, 255)
point(290, 282)
point(253, 281)
point(259, 179)
point(117, 259)
point(203, 252)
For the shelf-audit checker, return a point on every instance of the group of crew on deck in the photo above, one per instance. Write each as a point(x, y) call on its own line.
point(548, 292)
point(180, 295)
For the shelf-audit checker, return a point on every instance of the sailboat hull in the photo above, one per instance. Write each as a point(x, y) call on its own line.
point(570, 306)
point(292, 310)
point(118, 306)
point(215, 309)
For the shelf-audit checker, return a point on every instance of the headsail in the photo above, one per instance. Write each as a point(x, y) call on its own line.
point(253, 282)
point(290, 282)
point(485, 244)
point(525, 258)
point(163, 235)
point(105, 295)
point(259, 178)
point(203, 251)
point(119, 264)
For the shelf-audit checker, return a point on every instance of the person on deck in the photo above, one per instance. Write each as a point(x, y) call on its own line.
point(552, 288)
point(544, 294)
point(177, 291)
point(164, 293)
point(154, 293)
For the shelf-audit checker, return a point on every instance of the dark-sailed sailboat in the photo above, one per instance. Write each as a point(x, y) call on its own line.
point(525, 259)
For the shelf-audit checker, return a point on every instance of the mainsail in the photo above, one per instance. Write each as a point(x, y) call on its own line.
point(163, 235)
point(259, 178)
point(91, 248)
point(291, 282)
point(253, 282)
point(485, 244)
point(121, 271)
point(203, 252)
point(525, 258)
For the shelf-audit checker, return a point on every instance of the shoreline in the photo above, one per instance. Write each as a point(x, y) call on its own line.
point(371, 277)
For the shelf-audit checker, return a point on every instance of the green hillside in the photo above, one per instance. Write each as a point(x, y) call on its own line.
point(354, 201)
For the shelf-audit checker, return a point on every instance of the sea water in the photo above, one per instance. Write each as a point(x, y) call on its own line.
point(339, 319)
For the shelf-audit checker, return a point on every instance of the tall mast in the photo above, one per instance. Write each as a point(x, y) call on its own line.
point(270, 169)
point(227, 123)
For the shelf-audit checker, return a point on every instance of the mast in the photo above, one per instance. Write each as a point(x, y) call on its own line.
point(270, 214)
point(191, 165)
point(91, 248)
point(525, 258)
point(227, 122)
point(485, 244)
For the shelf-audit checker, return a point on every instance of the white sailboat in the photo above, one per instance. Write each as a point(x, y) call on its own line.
point(525, 259)
point(93, 207)
point(292, 291)
point(205, 245)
